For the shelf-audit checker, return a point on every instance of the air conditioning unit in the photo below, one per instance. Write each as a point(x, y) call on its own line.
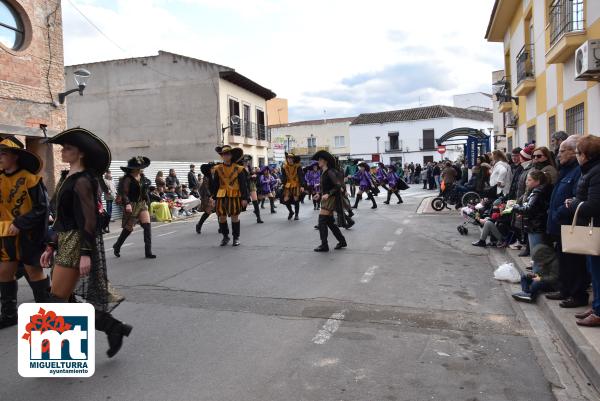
point(587, 61)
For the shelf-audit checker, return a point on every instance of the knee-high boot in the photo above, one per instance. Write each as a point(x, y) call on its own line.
point(272, 202)
point(117, 246)
point(389, 197)
point(337, 233)
point(324, 247)
point(235, 227)
point(224, 230)
point(8, 304)
point(203, 218)
point(41, 290)
point(296, 210)
point(399, 198)
point(148, 241)
point(356, 200)
point(289, 208)
point(257, 212)
point(262, 203)
point(115, 331)
point(370, 196)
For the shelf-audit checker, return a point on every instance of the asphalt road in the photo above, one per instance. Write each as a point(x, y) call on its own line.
point(409, 311)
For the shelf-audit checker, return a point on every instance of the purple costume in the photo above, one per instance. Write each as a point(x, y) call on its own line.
point(313, 180)
point(381, 175)
point(363, 179)
point(266, 184)
point(392, 179)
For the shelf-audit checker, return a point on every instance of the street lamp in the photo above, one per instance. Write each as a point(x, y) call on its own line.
point(378, 156)
point(81, 77)
point(288, 137)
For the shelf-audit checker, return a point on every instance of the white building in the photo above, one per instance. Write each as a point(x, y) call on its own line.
point(410, 135)
point(474, 101)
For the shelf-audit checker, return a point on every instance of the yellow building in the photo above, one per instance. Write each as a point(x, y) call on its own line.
point(277, 111)
point(542, 91)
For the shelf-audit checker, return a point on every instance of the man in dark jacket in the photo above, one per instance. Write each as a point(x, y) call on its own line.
point(573, 278)
point(193, 184)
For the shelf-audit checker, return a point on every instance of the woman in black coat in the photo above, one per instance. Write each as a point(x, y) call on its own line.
point(588, 200)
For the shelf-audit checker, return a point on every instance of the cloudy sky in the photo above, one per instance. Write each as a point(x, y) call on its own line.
point(333, 57)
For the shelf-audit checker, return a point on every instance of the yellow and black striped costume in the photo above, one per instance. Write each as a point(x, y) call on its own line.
point(293, 180)
point(230, 187)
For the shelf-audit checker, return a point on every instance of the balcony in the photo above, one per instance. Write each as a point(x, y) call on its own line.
point(503, 95)
point(566, 29)
point(250, 133)
point(525, 71)
point(393, 146)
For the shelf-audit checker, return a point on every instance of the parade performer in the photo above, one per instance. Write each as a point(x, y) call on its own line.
point(266, 187)
point(23, 220)
point(349, 173)
point(252, 180)
point(312, 177)
point(364, 179)
point(293, 184)
point(381, 176)
point(394, 184)
point(79, 273)
point(230, 191)
point(207, 204)
point(133, 196)
point(331, 200)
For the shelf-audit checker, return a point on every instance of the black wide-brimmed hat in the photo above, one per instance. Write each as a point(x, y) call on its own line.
point(97, 153)
point(206, 168)
point(393, 168)
point(364, 165)
point(136, 163)
point(236, 153)
point(27, 160)
point(325, 155)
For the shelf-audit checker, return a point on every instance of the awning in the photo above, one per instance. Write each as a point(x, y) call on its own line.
point(458, 135)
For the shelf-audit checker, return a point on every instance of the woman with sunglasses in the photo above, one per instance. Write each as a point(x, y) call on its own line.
point(543, 161)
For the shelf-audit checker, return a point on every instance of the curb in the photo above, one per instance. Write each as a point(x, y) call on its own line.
point(586, 356)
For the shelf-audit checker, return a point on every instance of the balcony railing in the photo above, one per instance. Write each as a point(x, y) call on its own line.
point(395, 146)
point(427, 145)
point(250, 129)
point(525, 64)
point(565, 16)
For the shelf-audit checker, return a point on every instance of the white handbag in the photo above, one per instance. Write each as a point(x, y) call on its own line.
point(582, 240)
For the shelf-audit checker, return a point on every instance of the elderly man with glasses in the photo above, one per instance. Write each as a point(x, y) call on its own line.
point(573, 276)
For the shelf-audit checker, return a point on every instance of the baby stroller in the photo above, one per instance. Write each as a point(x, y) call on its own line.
point(471, 215)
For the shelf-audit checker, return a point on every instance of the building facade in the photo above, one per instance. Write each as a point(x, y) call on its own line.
point(474, 101)
point(499, 134)
point(172, 108)
point(304, 138)
point(539, 93)
point(31, 76)
point(409, 136)
point(277, 111)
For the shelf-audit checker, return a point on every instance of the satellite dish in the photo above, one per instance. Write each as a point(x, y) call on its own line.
point(234, 119)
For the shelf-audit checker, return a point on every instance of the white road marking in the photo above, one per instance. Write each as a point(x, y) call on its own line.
point(331, 326)
point(368, 274)
point(169, 233)
point(127, 244)
point(406, 221)
point(399, 231)
point(388, 247)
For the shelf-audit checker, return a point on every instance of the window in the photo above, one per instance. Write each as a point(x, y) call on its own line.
point(428, 142)
point(427, 159)
point(551, 125)
point(509, 144)
point(565, 16)
point(311, 142)
point(234, 110)
point(261, 162)
point(246, 119)
point(394, 142)
point(260, 124)
point(339, 141)
point(575, 120)
point(12, 33)
point(531, 134)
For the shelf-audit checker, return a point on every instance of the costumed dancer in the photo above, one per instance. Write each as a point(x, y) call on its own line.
point(207, 204)
point(230, 190)
point(292, 181)
point(349, 172)
point(381, 176)
point(364, 179)
point(266, 187)
point(331, 200)
point(79, 273)
point(23, 221)
point(313, 181)
point(252, 175)
point(393, 182)
point(133, 196)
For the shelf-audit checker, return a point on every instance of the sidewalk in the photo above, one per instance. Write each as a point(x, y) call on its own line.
point(583, 342)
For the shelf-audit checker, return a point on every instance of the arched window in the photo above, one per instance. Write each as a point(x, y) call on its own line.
point(11, 26)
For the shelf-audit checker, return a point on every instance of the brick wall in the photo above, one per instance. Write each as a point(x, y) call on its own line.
point(30, 80)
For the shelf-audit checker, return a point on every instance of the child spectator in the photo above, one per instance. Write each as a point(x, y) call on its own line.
point(544, 280)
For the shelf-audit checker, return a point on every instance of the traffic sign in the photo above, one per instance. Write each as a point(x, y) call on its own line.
point(441, 149)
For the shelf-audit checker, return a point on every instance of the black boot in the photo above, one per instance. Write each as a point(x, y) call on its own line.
point(41, 290)
point(291, 212)
point(272, 202)
point(337, 233)
point(224, 230)
point(262, 204)
point(296, 210)
point(235, 227)
point(117, 246)
point(356, 200)
point(148, 241)
point(399, 198)
point(257, 212)
point(8, 304)
point(201, 222)
point(115, 331)
point(324, 247)
point(389, 196)
point(373, 201)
